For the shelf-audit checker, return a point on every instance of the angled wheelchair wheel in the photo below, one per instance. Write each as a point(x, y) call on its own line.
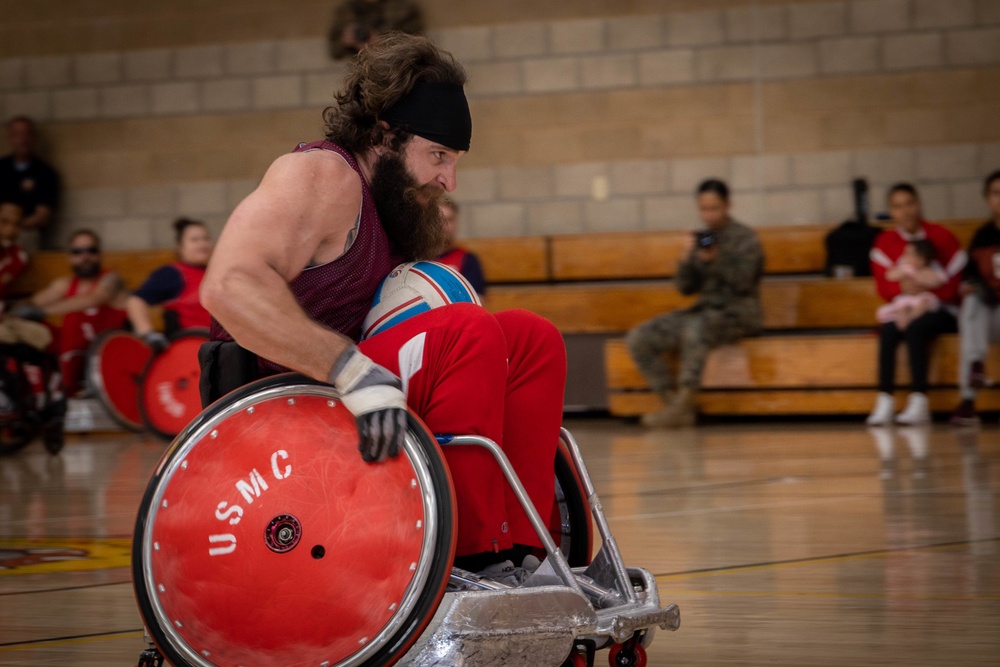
point(264, 539)
point(168, 396)
point(571, 524)
point(114, 369)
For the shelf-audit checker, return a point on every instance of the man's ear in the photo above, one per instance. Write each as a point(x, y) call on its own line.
point(384, 134)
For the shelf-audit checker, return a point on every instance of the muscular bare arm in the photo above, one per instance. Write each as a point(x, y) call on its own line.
point(300, 214)
point(49, 295)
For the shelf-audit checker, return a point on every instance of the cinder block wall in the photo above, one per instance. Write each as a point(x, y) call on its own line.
point(589, 115)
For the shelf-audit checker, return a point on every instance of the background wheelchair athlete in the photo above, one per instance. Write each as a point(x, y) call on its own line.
point(32, 402)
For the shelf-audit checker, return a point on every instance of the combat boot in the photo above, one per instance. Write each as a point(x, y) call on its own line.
point(680, 412)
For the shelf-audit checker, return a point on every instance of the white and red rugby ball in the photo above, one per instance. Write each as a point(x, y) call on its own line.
point(414, 288)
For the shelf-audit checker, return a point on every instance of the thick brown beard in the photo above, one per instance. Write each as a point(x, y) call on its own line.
point(409, 212)
point(85, 272)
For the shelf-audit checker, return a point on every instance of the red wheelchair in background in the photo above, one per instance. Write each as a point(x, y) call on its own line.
point(31, 402)
point(264, 539)
point(147, 390)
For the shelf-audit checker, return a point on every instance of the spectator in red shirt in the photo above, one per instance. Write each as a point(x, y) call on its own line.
point(454, 255)
point(175, 287)
point(887, 255)
point(13, 259)
point(90, 301)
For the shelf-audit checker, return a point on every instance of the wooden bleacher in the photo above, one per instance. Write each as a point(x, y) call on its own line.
point(603, 284)
point(789, 369)
point(44, 267)
point(607, 283)
point(781, 374)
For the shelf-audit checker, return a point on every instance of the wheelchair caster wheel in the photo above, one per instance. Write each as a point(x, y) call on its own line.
point(623, 655)
point(150, 658)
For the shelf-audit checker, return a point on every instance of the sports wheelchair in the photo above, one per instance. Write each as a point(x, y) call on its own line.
point(27, 406)
point(144, 389)
point(264, 539)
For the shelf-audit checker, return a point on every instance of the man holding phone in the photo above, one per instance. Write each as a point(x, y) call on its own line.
point(723, 264)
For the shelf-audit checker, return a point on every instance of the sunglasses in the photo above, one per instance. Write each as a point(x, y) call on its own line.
point(89, 250)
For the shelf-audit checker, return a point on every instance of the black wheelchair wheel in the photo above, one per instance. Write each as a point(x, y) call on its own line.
point(573, 528)
point(318, 557)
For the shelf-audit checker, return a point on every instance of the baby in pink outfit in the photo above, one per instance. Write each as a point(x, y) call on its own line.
point(917, 275)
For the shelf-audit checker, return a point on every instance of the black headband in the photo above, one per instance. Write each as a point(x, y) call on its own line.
point(437, 112)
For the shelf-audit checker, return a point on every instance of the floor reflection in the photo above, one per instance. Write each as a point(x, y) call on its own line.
point(783, 544)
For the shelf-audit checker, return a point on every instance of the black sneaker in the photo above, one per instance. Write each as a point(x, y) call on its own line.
point(965, 414)
point(53, 436)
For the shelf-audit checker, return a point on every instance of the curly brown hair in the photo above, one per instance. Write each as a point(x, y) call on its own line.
point(381, 75)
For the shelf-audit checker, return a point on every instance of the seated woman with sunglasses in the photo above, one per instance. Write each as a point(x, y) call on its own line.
point(91, 301)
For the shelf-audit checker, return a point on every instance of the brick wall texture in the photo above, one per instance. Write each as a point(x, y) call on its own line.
point(584, 119)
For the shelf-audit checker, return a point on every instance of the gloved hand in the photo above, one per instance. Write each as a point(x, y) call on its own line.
point(27, 311)
point(375, 397)
point(157, 341)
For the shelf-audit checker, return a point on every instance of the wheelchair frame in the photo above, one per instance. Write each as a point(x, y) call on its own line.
point(602, 604)
point(560, 616)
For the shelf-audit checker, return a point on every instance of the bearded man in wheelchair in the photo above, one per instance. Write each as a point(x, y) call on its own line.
point(293, 276)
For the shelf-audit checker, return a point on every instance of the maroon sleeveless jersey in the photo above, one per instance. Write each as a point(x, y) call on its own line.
point(339, 294)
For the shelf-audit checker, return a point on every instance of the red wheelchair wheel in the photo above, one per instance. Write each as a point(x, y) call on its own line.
point(621, 655)
point(115, 364)
point(571, 523)
point(168, 397)
point(264, 539)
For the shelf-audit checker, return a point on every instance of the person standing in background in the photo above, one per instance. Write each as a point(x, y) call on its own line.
point(35, 181)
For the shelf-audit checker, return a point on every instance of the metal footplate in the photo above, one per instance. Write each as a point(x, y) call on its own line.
point(622, 622)
point(493, 628)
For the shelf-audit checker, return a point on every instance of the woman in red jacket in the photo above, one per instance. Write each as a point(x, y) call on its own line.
point(886, 256)
point(175, 287)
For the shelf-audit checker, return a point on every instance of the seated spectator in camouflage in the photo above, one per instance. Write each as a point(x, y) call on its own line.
point(723, 264)
point(454, 255)
point(979, 319)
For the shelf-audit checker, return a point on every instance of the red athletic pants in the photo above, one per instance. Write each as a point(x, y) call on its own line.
point(77, 333)
point(501, 376)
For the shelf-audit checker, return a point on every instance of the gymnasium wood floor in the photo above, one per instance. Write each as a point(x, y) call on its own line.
point(792, 544)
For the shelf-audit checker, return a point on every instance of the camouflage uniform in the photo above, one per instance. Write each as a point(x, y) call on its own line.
point(728, 309)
